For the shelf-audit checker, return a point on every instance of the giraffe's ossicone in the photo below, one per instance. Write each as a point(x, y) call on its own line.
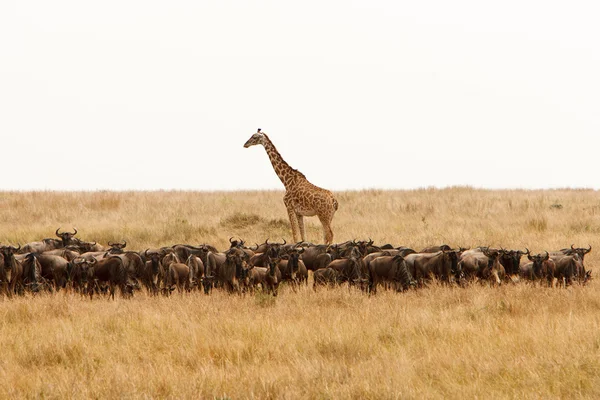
point(302, 198)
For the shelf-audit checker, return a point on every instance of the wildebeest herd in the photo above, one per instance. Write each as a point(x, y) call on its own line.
point(68, 263)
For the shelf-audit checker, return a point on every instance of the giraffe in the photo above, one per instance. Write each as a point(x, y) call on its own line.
point(302, 198)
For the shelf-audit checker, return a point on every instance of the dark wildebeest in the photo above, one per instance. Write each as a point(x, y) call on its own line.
point(11, 271)
point(40, 247)
point(257, 276)
point(579, 251)
point(55, 269)
point(350, 269)
point(542, 268)
point(116, 248)
point(293, 268)
point(273, 277)
point(211, 266)
point(65, 253)
point(66, 237)
point(177, 276)
point(325, 277)
point(484, 265)
point(134, 265)
point(196, 270)
point(79, 274)
point(442, 265)
point(566, 269)
point(230, 271)
point(390, 269)
point(319, 256)
point(32, 272)
point(435, 249)
point(153, 272)
point(511, 259)
point(108, 270)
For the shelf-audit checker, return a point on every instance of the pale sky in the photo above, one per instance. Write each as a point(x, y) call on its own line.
point(150, 95)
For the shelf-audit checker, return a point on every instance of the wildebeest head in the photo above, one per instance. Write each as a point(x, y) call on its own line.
point(510, 260)
point(538, 261)
point(450, 266)
point(8, 253)
point(82, 269)
point(66, 237)
point(117, 248)
point(239, 259)
point(154, 259)
point(294, 257)
point(236, 243)
point(494, 268)
point(579, 251)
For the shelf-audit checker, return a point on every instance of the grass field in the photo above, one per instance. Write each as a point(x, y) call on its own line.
point(516, 341)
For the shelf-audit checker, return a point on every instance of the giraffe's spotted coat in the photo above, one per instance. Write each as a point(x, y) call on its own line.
point(302, 198)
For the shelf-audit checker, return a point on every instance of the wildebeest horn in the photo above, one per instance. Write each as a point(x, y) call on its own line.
point(124, 243)
point(547, 255)
point(230, 239)
point(74, 233)
point(111, 244)
point(588, 250)
point(146, 253)
point(572, 248)
point(57, 234)
point(284, 242)
point(526, 251)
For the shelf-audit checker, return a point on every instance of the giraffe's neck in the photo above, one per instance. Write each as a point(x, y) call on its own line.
point(286, 174)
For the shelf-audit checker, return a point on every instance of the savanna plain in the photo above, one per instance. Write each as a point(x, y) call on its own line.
point(513, 341)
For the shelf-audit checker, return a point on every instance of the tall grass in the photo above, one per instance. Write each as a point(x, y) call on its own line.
point(516, 341)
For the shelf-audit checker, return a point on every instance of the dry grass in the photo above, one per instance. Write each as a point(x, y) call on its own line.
point(514, 341)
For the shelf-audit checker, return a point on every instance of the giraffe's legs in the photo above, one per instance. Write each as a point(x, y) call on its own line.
point(328, 233)
point(301, 226)
point(293, 218)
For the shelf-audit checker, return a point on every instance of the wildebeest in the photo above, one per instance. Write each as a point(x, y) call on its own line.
point(542, 268)
point(293, 268)
point(66, 237)
point(482, 264)
point(350, 269)
point(55, 269)
point(196, 270)
point(227, 269)
point(325, 277)
point(319, 256)
point(153, 273)
point(511, 259)
point(65, 253)
point(11, 269)
point(109, 270)
point(442, 265)
point(273, 277)
point(32, 272)
point(177, 276)
point(390, 269)
point(567, 269)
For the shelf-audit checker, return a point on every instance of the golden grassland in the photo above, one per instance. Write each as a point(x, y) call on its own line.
point(440, 342)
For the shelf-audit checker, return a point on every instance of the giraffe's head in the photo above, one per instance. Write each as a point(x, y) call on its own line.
point(257, 138)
